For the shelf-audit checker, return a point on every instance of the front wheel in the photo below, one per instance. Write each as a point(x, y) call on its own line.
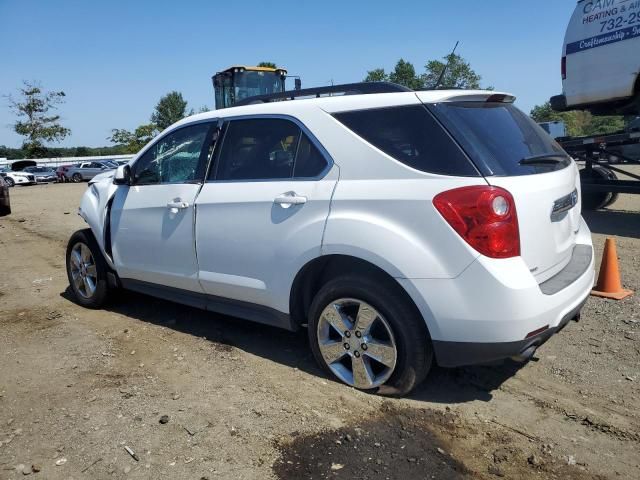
point(77, 178)
point(368, 334)
point(9, 181)
point(87, 270)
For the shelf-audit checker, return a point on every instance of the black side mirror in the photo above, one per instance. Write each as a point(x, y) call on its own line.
point(122, 175)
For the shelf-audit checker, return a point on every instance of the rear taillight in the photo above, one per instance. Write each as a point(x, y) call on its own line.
point(484, 216)
point(563, 68)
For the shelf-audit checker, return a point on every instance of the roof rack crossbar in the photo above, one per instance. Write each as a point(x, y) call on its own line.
point(360, 88)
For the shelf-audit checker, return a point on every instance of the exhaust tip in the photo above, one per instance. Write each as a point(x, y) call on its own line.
point(526, 354)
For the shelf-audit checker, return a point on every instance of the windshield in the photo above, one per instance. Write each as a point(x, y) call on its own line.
point(240, 85)
point(500, 139)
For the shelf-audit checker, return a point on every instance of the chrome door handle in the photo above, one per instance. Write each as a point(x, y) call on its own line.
point(176, 205)
point(290, 198)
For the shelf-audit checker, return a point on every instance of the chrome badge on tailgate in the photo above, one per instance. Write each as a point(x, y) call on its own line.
point(564, 204)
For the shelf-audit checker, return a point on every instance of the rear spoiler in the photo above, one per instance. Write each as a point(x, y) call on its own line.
point(436, 96)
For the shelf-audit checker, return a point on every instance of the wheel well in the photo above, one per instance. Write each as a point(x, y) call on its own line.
point(319, 271)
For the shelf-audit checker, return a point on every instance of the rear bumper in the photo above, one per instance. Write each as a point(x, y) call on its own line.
point(488, 311)
point(455, 354)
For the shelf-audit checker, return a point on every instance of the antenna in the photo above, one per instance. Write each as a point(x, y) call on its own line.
point(444, 70)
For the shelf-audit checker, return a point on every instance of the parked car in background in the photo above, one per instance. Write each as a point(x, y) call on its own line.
point(61, 172)
point(5, 204)
point(43, 174)
point(12, 178)
point(88, 170)
point(401, 229)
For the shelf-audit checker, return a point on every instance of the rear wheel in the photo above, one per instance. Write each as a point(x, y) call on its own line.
point(597, 200)
point(77, 178)
point(367, 334)
point(9, 181)
point(87, 270)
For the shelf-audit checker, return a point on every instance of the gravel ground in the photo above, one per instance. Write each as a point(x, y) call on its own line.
point(247, 401)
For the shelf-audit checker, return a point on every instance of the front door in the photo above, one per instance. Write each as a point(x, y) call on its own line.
point(152, 220)
point(262, 213)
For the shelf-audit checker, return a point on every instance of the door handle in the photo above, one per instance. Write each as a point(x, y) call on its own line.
point(176, 205)
point(290, 198)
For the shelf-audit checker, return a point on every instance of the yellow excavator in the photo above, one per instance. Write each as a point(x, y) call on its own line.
point(239, 82)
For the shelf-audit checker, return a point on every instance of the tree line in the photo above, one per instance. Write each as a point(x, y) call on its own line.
point(37, 123)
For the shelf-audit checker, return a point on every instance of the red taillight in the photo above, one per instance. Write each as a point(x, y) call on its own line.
point(563, 68)
point(484, 216)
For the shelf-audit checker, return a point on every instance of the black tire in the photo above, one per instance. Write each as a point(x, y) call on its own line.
point(9, 181)
point(597, 200)
point(76, 178)
point(101, 294)
point(413, 343)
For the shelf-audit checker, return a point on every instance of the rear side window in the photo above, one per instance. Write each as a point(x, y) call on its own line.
point(267, 149)
point(500, 139)
point(259, 149)
point(411, 135)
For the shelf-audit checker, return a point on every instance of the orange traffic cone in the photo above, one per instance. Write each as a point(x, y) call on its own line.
point(609, 284)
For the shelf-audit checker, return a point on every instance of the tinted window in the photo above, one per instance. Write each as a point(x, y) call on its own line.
point(412, 136)
point(258, 149)
point(174, 158)
point(498, 136)
point(309, 161)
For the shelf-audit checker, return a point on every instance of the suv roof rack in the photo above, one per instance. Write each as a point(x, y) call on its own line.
point(360, 88)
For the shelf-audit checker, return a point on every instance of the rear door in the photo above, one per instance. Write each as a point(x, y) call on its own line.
point(514, 153)
point(262, 213)
point(152, 220)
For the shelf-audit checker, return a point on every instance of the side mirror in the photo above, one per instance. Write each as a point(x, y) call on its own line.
point(122, 175)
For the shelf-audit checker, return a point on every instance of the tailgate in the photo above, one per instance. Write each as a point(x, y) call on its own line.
point(514, 153)
point(548, 216)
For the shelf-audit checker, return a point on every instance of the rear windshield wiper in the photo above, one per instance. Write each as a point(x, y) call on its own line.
point(544, 159)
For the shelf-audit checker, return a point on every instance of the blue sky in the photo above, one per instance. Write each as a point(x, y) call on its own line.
point(115, 59)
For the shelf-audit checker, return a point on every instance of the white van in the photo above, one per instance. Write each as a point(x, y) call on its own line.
point(601, 58)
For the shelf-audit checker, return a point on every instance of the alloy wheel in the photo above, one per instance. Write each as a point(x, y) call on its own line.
point(357, 343)
point(83, 270)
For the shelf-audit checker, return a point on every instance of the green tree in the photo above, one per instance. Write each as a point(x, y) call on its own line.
point(405, 74)
point(459, 73)
point(82, 152)
point(171, 108)
point(35, 123)
point(132, 142)
point(376, 75)
point(267, 65)
point(578, 122)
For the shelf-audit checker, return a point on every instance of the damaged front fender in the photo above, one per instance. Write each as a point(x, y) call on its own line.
point(94, 210)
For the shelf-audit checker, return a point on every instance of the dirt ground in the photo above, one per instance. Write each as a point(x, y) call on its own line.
point(248, 402)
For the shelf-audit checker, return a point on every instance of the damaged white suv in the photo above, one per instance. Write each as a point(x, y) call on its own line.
point(401, 228)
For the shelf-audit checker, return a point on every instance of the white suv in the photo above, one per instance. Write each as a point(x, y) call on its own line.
point(400, 228)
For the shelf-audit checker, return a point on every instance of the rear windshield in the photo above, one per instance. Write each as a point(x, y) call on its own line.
point(411, 135)
point(500, 139)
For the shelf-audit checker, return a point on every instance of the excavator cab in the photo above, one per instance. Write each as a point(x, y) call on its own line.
point(239, 82)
